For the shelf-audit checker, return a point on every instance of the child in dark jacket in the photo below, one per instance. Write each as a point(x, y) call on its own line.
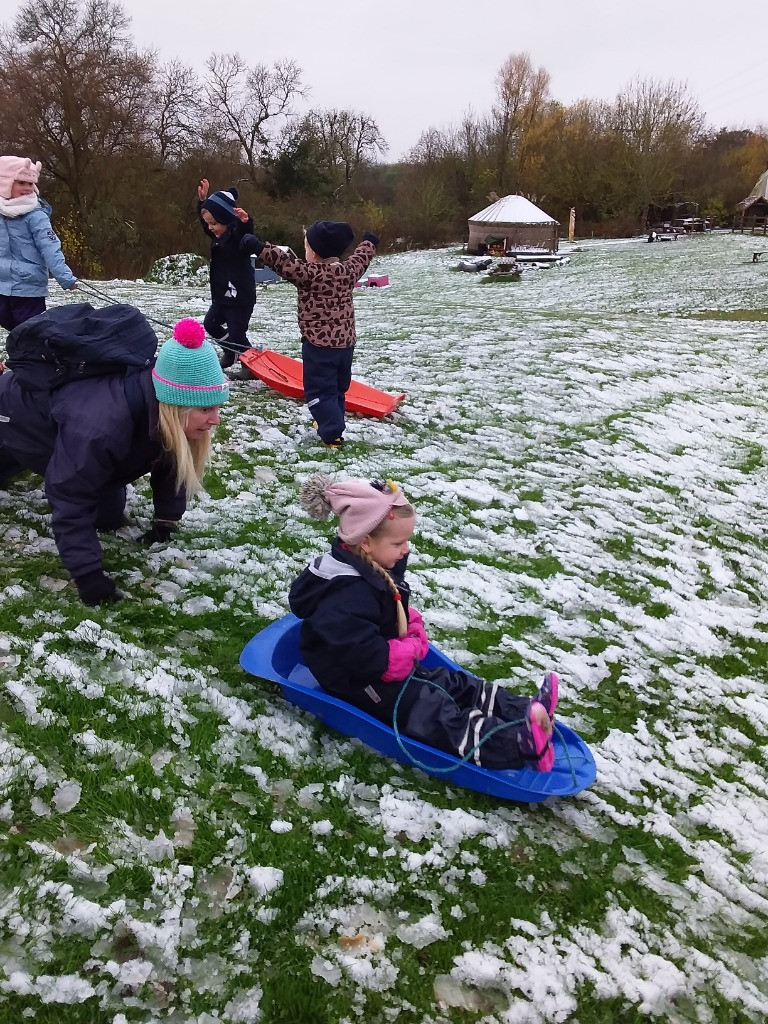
point(325, 284)
point(364, 644)
point(233, 284)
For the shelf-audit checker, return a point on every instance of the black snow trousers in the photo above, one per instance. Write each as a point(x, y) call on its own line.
point(455, 711)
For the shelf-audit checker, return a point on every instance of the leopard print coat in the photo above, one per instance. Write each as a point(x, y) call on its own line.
point(326, 309)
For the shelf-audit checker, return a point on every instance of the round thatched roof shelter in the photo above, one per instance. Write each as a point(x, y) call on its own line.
point(512, 222)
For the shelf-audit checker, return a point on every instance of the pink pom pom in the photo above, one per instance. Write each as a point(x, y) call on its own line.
point(189, 333)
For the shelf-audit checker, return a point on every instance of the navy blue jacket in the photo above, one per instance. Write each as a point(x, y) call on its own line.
point(349, 615)
point(82, 438)
point(233, 281)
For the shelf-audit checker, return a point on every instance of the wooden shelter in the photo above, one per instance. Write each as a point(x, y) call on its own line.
point(512, 223)
point(752, 212)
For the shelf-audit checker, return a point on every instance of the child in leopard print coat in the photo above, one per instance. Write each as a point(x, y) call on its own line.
point(325, 284)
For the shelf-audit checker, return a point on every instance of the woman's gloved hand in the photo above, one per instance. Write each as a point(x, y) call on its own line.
point(97, 588)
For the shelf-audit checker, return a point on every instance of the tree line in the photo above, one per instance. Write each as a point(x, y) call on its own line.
point(124, 139)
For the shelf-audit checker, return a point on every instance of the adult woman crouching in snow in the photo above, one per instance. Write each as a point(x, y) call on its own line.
point(89, 438)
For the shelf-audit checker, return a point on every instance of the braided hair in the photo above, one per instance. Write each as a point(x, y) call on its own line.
point(402, 621)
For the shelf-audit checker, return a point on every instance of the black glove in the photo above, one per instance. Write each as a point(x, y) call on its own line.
point(251, 244)
point(368, 236)
point(97, 588)
point(158, 533)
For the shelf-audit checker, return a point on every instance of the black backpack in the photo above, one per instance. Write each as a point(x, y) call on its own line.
point(76, 341)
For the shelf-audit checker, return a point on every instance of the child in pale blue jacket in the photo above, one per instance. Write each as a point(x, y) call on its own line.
point(30, 249)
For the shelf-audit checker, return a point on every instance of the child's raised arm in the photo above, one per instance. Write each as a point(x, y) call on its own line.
point(241, 214)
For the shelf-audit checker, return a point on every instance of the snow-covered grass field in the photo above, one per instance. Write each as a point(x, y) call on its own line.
point(586, 450)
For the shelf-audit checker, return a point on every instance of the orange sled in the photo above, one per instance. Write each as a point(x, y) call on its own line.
point(285, 375)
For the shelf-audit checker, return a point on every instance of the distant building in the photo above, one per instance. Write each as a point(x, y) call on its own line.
point(752, 212)
point(512, 223)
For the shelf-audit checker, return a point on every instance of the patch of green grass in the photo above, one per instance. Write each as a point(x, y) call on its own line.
point(737, 315)
point(620, 547)
point(542, 567)
point(18, 1009)
point(615, 706)
point(746, 657)
point(634, 593)
point(532, 494)
point(595, 645)
point(753, 457)
point(753, 942)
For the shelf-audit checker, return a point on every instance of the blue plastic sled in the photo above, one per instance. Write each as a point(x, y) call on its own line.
point(274, 654)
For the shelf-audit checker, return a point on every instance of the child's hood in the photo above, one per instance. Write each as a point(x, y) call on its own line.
point(313, 584)
point(325, 573)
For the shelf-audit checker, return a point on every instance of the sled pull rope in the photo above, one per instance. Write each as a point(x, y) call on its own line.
point(161, 323)
point(108, 298)
point(452, 767)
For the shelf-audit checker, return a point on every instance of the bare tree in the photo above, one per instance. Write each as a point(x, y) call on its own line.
point(656, 124)
point(176, 118)
point(359, 141)
point(458, 157)
point(345, 141)
point(431, 147)
point(253, 103)
point(467, 140)
point(74, 92)
point(522, 95)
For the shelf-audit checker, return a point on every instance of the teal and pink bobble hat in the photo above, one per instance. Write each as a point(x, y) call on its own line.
point(187, 370)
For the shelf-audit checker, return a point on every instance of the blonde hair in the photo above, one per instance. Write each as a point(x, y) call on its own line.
point(397, 512)
point(190, 456)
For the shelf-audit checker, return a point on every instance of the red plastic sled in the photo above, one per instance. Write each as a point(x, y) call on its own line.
point(382, 281)
point(284, 374)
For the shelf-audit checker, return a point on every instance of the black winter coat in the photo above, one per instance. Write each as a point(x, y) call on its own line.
point(83, 438)
point(349, 615)
point(232, 278)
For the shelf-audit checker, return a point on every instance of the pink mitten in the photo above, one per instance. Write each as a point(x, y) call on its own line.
point(416, 629)
point(403, 655)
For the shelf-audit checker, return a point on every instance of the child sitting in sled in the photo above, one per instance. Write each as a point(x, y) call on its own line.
point(325, 283)
point(364, 644)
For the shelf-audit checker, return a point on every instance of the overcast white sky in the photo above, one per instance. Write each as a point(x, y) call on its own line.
point(414, 64)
